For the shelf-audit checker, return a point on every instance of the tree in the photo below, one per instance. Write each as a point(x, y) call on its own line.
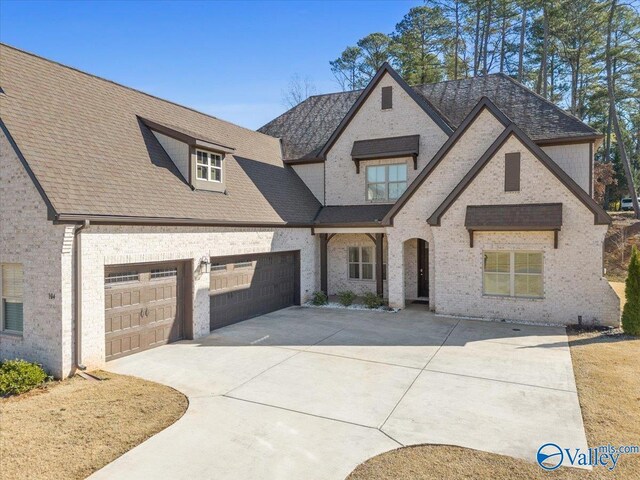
point(346, 68)
point(298, 90)
point(603, 176)
point(375, 52)
point(419, 42)
point(631, 311)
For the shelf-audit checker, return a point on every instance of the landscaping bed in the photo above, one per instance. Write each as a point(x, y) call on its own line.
point(71, 428)
point(608, 381)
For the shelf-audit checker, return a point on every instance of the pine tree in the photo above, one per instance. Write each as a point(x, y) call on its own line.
point(631, 312)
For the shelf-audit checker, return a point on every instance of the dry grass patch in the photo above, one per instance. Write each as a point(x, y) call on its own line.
point(70, 429)
point(608, 381)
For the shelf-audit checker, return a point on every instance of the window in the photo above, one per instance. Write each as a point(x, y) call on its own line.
point(208, 166)
point(362, 264)
point(386, 182)
point(122, 277)
point(11, 281)
point(164, 272)
point(513, 274)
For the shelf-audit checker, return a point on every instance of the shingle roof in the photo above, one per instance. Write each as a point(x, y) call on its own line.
point(352, 215)
point(306, 128)
point(390, 146)
point(83, 140)
point(534, 216)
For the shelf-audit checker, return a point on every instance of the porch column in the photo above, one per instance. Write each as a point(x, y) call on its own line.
point(395, 271)
point(379, 262)
point(323, 263)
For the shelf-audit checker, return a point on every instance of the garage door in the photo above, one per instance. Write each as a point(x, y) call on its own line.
point(141, 307)
point(247, 286)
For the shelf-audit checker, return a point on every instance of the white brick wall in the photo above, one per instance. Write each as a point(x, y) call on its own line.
point(573, 281)
point(27, 237)
point(345, 187)
point(337, 264)
point(102, 245)
point(575, 160)
point(312, 174)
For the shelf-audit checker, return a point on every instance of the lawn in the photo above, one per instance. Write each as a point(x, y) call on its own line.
point(72, 428)
point(607, 374)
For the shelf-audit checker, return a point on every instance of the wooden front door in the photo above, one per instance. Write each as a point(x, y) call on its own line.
point(423, 269)
point(143, 307)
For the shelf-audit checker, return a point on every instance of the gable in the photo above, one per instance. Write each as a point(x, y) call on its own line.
point(396, 91)
point(542, 180)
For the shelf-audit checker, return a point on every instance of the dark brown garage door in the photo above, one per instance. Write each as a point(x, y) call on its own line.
point(142, 307)
point(247, 286)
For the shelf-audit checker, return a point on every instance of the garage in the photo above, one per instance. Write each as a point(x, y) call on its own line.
point(143, 307)
point(250, 285)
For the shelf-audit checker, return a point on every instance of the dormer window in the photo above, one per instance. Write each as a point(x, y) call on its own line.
point(208, 166)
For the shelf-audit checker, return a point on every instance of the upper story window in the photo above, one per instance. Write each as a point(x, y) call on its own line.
point(11, 280)
point(208, 166)
point(386, 182)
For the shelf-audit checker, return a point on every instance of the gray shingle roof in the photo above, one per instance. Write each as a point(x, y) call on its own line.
point(523, 216)
point(83, 140)
point(305, 128)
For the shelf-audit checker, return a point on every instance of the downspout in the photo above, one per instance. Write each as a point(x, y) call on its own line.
point(77, 285)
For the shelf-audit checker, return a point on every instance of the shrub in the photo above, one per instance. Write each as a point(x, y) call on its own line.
point(371, 300)
point(631, 312)
point(20, 376)
point(319, 298)
point(346, 298)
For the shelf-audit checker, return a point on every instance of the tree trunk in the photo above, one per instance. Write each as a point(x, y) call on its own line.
point(523, 28)
point(545, 49)
point(476, 42)
point(614, 115)
point(457, 43)
point(503, 36)
point(487, 34)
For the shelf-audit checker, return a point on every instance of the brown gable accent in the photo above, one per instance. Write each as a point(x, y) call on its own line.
point(600, 216)
point(421, 101)
point(387, 98)
point(444, 150)
point(512, 172)
point(186, 136)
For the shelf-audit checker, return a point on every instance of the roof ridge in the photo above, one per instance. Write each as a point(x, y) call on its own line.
point(561, 110)
point(113, 82)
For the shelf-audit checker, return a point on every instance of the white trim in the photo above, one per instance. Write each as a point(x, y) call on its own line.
point(209, 166)
point(512, 275)
point(385, 183)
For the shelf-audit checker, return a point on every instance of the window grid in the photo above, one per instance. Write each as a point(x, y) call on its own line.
point(386, 182)
point(513, 274)
point(361, 264)
point(208, 166)
point(162, 273)
point(242, 264)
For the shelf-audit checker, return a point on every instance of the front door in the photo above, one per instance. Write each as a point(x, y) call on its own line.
point(423, 269)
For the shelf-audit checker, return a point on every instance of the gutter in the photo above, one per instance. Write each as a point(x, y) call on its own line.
point(77, 285)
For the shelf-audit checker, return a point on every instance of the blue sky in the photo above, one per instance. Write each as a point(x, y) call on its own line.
point(228, 59)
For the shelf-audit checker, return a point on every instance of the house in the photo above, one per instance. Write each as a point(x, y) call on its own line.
point(129, 221)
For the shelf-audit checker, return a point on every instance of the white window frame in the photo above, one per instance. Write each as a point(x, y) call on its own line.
point(512, 274)
point(360, 263)
point(386, 182)
point(9, 299)
point(210, 167)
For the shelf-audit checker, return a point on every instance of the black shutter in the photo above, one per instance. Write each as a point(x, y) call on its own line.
point(512, 172)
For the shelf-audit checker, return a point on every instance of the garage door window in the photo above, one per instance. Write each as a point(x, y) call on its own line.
point(11, 282)
point(164, 273)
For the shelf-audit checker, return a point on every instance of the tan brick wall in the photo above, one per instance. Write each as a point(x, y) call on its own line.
point(345, 187)
point(572, 274)
point(28, 238)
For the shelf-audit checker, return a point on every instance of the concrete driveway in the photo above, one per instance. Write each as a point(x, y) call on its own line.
point(308, 393)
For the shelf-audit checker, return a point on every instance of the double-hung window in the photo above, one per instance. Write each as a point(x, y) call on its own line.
point(386, 182)
point(513, 274)
point(11, 280)
point(361, 263)
point(208, 166)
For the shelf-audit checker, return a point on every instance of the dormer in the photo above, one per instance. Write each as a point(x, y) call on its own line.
point(200, 160)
